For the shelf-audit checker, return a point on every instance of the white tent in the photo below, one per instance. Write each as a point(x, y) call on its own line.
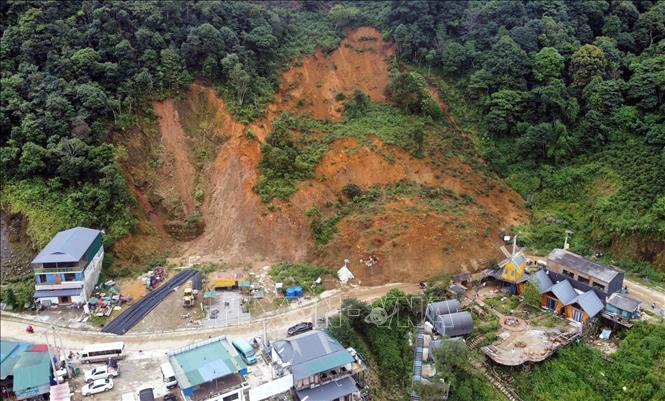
point(344, 274)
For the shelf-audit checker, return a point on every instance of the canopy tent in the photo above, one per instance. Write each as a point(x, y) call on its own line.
point(344, 274)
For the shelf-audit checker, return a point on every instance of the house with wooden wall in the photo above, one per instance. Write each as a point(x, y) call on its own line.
point(563, 299)
point(511, 274)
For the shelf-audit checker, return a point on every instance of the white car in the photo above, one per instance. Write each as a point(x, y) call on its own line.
point(100, 372)
point(98, 386)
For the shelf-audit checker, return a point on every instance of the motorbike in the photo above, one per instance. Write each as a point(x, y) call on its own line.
point(29, 329)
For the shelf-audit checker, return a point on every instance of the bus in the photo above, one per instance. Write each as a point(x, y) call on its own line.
point(245, 350)
point(102, 352)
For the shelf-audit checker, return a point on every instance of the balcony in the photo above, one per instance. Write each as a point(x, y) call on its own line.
point(72, 269)
point(331, 375)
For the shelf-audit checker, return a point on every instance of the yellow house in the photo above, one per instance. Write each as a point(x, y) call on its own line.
point(513, 272)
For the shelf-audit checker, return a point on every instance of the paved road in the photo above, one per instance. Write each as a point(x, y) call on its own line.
point(158, 343)
point(132, 315)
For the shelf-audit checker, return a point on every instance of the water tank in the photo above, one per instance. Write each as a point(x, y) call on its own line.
point(298, 291)
point(290, 292)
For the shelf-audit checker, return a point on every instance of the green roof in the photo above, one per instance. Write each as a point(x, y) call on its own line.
point(10, 352)
point(33, 369)
point(328, 362)
point(206, 361)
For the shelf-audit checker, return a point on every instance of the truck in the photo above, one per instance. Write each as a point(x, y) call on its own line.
point(189, 297)
point(100, 372)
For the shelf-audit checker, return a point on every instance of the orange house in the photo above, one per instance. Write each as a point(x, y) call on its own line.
point(563, 299)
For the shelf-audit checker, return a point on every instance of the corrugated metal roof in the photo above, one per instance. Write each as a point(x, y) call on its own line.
point(623, 302)
point(204, 362)
point(454, 324)
point(312, 352)
point(581, 264)
point(67, 246)
point(564, 292)
point(33, 369)
point(542, 281)
point(329, 391)
point(10, 352)
point(442, 307)
point(590, 303)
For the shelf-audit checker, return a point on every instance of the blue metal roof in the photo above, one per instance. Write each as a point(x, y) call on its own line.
point(564, 292)
point(67, 246)
point(590, 303)
point(329, 391)
point(543, 281)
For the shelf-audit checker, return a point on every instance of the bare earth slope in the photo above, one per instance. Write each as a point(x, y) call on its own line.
point(205, 150)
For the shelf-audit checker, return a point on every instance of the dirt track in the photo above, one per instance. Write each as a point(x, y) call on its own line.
point(646, 295)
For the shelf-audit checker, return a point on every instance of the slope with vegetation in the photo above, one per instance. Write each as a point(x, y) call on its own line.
point(564, 99)
point(568, 99)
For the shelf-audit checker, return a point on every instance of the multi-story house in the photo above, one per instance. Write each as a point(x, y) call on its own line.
point(584, 275)
point(68, 268)
point(322, 369)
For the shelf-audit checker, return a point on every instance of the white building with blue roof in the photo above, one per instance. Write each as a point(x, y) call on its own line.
point(68, 267)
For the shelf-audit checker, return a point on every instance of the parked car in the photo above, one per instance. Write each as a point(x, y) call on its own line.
point(300, 328)
point(146, 394)
point(100, 372)
point(97, 386)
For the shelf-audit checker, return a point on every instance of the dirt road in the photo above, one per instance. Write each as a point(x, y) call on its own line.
point(645, 294)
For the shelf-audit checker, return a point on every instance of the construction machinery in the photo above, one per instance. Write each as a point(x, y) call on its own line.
point(189, 296)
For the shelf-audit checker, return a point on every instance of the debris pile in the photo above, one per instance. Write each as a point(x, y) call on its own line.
point(105, 299)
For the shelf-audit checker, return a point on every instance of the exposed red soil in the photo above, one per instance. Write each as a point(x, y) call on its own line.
point(411, 240)
point(177, 159)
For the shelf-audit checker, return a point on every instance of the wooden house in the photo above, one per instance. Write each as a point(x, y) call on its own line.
point(563, 299)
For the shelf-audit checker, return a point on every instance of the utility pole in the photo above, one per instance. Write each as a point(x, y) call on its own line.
point(565, 241)
point(48, 349)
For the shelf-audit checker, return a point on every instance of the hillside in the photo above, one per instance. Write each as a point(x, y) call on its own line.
point(429, 211)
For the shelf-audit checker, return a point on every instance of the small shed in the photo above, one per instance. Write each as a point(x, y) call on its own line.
point(622, 305)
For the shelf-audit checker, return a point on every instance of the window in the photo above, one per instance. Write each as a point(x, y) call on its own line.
point(598, 286)
point(70, 276)
point(42, 278)
point(230, 397)
point(551, 303)
point(583, 280)
point(577, 315)
point(569, 274)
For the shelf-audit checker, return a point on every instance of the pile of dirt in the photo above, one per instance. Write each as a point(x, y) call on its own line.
point(199, 161)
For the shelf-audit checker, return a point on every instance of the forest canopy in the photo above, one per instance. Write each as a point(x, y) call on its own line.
point(567, 96)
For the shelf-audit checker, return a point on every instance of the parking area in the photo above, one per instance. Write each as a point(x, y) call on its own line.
point(136, 372)
point(228, 308)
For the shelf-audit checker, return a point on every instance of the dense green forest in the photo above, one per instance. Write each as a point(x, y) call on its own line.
point(567, 97)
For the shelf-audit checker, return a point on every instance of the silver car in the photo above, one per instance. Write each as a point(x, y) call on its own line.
point(97, 386)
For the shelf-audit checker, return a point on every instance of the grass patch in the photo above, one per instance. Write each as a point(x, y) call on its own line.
point(299, 274)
